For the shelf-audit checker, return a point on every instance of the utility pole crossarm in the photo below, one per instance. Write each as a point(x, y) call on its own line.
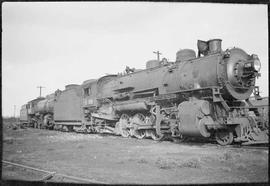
point(158, 54)
point(40, 87)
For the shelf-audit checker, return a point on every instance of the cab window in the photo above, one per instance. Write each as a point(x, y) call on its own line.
point(87, 91)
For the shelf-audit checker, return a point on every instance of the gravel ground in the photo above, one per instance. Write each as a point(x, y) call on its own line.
point(113, 159)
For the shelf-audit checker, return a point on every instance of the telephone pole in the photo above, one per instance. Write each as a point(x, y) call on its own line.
point(40, 87)
point(158, 54)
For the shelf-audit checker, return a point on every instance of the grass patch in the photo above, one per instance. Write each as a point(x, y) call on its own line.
point(170, 164)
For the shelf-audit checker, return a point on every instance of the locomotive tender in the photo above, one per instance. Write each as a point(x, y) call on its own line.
point(196, 96)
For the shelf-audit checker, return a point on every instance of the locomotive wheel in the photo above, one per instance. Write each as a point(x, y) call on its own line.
point(124, 133)
point(139, 118)
point(155, 136)
point(117, 130)
point(224, 137)
point(140, 134)
point(123, 124)
point(69, 128)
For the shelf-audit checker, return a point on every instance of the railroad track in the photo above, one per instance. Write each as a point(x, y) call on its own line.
point(49, 175)
point(235, 146)
point(248, 147)
point(208, 142)
point(264, 145)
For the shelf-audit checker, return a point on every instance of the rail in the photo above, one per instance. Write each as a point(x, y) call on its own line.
point(50, 174)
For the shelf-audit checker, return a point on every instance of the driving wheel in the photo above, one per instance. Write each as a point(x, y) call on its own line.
point(224, 137)
point(155, 136)
point(138, 120)
point(140, 134)
point(123, 125)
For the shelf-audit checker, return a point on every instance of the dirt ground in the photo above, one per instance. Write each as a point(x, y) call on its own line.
point(113, 159)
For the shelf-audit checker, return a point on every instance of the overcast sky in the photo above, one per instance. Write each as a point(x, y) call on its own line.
point(55, 44)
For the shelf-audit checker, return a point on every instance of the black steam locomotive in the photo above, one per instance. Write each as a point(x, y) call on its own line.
point(196, 96)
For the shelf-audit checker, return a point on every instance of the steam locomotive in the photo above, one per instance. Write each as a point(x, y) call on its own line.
point(196, 96)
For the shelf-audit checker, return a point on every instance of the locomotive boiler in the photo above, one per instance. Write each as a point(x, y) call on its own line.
point(28, 112)
point(204, 96)
point(39, 112)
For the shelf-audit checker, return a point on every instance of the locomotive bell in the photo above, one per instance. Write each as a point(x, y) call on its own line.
point(185, 55)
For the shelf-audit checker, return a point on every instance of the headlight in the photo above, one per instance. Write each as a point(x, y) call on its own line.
point(257, 65)
point(256, 62)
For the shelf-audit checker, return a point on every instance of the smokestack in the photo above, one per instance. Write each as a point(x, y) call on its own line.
point(214, 46)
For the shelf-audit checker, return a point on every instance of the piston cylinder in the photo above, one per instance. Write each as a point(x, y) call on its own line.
point(194, 116)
